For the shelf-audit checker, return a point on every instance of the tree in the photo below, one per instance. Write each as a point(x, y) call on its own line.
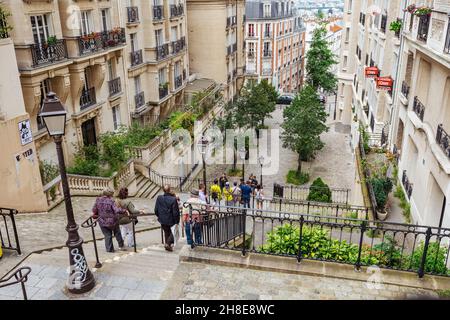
point(304, 122)
point(226, 123)
point(320, 60)
point(272, 96)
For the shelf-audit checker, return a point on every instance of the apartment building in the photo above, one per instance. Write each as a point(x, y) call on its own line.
point(216, 42)
point(157, 57)
point(275, 44)
point(421, 118)
point(368, 65)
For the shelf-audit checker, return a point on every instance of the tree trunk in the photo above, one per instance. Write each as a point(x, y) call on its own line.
point(299, 168)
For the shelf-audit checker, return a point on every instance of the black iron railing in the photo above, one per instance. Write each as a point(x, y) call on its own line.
point(418, 108)
point(114, 38)
point(424, 25)
point(115, 86)
point(447, 38)
point(403, 247)
point(407, 185)
point(405, 89)
point(163, 92)
point(178, 45)
point(20, 276)
point(90, 43)
point(178, 81)
point(162, 51)
point(383, 23)
point(367, 177)
point(88, 98)
point(158, 12)
point(443, 140)
point(44, 53)
point(133, 14)
point(9, 237)
point(362, 18)
point(338, 195)
point(139, 100)
point(176, 10)
point(137, 58)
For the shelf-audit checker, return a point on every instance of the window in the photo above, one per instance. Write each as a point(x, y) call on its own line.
point(173, 34)
point(159, 37)
point(106, 20)
point(345, 61)
point(347, 35)
point(86, 23)
point(267, 12)
point(116, 117)
point(41, 28)
point(111, 72)
point(137, 84)
point(162, 76)
point(134, 43)
point(251, 30)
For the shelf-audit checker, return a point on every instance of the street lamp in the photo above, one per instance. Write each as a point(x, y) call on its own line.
point(202, 146)
point(80, 279)
point(261, 162)
point(242, 155)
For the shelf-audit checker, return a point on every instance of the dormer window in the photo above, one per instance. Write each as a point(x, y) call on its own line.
point(267, 10)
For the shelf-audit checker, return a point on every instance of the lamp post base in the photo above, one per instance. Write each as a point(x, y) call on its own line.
point(81, 279)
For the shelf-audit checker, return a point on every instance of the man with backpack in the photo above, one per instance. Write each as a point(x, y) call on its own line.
point(216, 193)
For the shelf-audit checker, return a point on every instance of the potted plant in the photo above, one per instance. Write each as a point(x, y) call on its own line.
point(422, 11)
point(395, 26)
point(381, 189)
point(411, 8)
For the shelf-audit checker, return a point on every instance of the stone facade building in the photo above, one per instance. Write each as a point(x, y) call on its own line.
point(275, 44)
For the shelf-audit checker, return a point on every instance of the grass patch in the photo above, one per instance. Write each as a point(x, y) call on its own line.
point(443, 293)
point(404, 204)
point(297, 178)
point(234, 172)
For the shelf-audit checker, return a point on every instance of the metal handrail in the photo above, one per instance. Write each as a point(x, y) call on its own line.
point(6, 242)
point(21, 276)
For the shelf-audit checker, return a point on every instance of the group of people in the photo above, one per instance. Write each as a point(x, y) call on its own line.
point(116, 216)
point(236, 195)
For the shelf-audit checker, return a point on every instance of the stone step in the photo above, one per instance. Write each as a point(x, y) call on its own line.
point(140, 179)
point(143, 189)
point(151, 191)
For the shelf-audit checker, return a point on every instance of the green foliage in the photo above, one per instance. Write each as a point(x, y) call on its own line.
point(365, 138)
point(381, 189)
point(270, 91)
point(392, 256)
point(435, 260)
point(320, 60)
point(182, 120)
point(139, 136)
point(113, 149)
point(5, 27)
point(395, 26)
point(404, 204)
point(297, 178)
point(86, 162)
point(320, 192)
point(304, 122)
point(49, 171)
point(234, 173)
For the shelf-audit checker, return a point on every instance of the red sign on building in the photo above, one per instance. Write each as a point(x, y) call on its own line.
point(384, 83)
point(372, 72)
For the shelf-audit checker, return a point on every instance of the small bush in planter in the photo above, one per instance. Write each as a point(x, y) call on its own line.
point(381, 188)
point(395, 26)
point(319, 192)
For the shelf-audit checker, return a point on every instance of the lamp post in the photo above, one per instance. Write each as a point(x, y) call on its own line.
point(80, 279)
point(242, 155)
point(261, 162)
point(203, 148)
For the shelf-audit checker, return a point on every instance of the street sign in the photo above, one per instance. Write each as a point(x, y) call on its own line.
point(25, 132)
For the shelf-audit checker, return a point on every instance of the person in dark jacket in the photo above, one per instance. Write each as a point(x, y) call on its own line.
point(107, 213)
point(168, 213)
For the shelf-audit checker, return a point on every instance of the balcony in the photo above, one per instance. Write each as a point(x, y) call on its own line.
point(133, 14)
point(267, 54)
point(405, 89)
point(136, 58)
point(158, 13)
point(418, 108)
point(178, 81)
point(115, 87)
point(268, 34)
point(443, 140)
point(234, 47)
point(97, 41)
point(114, 38)
point(44, 53)
point(162, 51)
point(178, 45)
point(407, 185)
point(422, 30)
point(163, 90)
point(87, 98)
point(176, 10)
point(139, 100)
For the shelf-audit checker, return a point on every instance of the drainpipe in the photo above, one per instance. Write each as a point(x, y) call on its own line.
point(395, 99)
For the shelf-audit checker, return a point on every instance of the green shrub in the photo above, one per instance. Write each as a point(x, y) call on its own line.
point(113, 151)
point(319, 192)
point(435, 261)
point(381, 188)
point(294, 177)
point(49, 171)
point(404, 204)
point(86, 162)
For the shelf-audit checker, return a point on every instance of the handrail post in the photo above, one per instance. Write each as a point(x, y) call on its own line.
point(358, 260)
point(346, 198)
point(16, 235)
point(307, 210)
point(299, 255)
point(181, 183)
point(22, 284)
point(134, 235)
point(244, 232)
point(421, 271)
point(97, 264)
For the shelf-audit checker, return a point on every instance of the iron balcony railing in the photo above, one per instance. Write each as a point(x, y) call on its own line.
point(158, 12)
point(362, 18)
point(20, 276)
point(163, 92)
point(139, 100)
point(178, 45)
point(9, 235)
point(113, 38)
point(418, 108)
point(136, 58)
point(88, 98)
point(115, 86)
point(97, 41)
point(44, 53)
point(178, 81)
point(407, 185)
point(301, 193)
point(176, 10)
point(383, 23)
point(133, 14)
point(422, 31)
point(443, 140)
point(162, 51)
point(447, 38)
point(405, 89)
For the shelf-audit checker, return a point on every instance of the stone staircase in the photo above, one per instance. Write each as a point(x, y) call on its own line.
point(146, 188)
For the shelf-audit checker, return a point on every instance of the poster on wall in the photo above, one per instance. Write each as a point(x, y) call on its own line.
point(25, 132)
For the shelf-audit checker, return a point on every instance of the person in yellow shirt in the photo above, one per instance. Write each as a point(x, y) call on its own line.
point(216, 193)
point(228, 194)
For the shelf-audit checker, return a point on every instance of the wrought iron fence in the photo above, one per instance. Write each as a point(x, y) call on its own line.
point(424, 24)
point(162, 51)
point(178, 81)
point(87, 98)
point(44, 53)
point(9, 237)
point(408, 185)
point(139, 99)
point(418, 108)
point(20, 276)
point(136, 58)
point(113, 38)
point(115, 86)
point(158, 12)
point(163, 92)
point(338, 195)
point(367, 177)
point(133, 14)
point(405, 247)
point(405, 89)
point(443, 139)
point(90, 43)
